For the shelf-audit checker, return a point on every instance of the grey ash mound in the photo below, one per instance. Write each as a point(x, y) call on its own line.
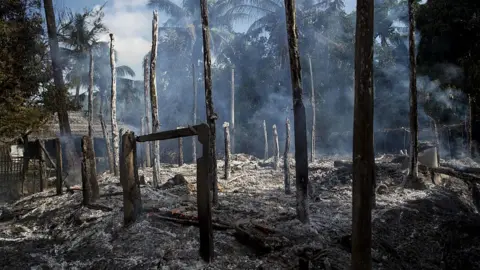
point(436, 228)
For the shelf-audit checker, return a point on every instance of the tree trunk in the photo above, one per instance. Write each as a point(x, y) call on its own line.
point(363, 154)
point(115, 136)
point(194, 114)
point(147, 107)
point(43, 167)
point(211, 115)
point(300, 123)
point(153, 99)
point(276, 150)
point(106, 137)
point(413, 168)
point(286, 165)
point(232, 111)
point(312, 98)
point(226, 133)
point(265, 138)
point(60, 89)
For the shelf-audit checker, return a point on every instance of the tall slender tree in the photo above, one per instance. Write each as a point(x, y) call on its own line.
point(299, 117)
point(363, 154)
point(153, 99)
point(146, 99)
point(412, 178)
point(60, 89)
point(113, 109)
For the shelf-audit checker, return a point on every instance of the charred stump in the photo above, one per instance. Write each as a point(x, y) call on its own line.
point(132, 201)
point(226, 133)
point(91, 191)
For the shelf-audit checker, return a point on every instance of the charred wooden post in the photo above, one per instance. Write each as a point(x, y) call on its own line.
point(143, 155)
point(265, 138)
point(91, 191)
point(276, 149)
point(363, 154)
point(286, 165)
point(42, 167)
point(180, 150)
point(300, 122)
point(312, 100)
point(26, 161)
point(59, 166)
point(108, 144)
point(132, 200)
point(153, 99)
point(194, 113)
point(226, 133)
point(211, 115)
point(204, 181)
point(232, 111)
point(147, 129)
point(86, 190)
point(113, 110)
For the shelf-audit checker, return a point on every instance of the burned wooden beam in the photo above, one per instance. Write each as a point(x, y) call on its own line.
point(171, 134)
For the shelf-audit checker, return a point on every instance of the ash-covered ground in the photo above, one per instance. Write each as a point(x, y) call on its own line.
point(437, 228)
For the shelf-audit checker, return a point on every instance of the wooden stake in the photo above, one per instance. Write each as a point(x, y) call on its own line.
point(211, 115)
point(286, 165)
point(180, 150)
point(265, 139)
point(113, 110)
point(153, 99)
point(59, 166)
point(132, 200)
point(226, 133)
point(312, 99)
point(232, 110)
point(276, 150)
point(194, 113)
point(42, 166)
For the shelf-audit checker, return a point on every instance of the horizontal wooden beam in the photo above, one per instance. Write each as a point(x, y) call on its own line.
point(172, 134)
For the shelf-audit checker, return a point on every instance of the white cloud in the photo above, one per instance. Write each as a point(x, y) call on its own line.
point(131, 22)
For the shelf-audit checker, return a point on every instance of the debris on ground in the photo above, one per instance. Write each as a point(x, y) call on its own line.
point(254, 225)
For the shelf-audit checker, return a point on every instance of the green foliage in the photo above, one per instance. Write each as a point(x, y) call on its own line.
point(23, 69)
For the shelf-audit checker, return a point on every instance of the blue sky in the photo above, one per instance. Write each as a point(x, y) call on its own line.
point(131, 21)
